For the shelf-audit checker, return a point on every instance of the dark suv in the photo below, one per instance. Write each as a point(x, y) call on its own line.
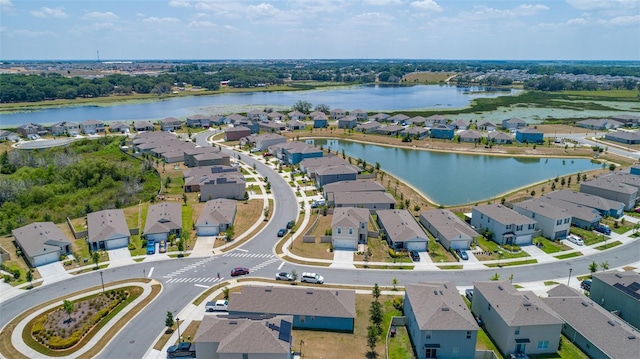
point(415, 256)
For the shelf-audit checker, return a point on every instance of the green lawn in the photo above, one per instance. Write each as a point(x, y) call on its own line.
point(589, 237)
point(491, 246)
point(509, 264)
point(567, 350)
point(608, 245)
point(400, 345)
point(569, 255)
point(551, 246)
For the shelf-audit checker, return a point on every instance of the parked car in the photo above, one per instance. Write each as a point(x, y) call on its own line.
point(239, 271)
point(469, 294)
point(415, 256)
point(318, 203)
point(217, 306)
point(602, 228)
point(463, 255)
point(284, 276)
point(586, 285)
point(637, 210)
point(575, 239)
point(291, 224)
point(162, 248)
point(184, 349)
point(312, 278)
point(151, 247)
point(282, 232)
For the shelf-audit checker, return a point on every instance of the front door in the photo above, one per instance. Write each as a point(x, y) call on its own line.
point(520, 348)
point(431, 353)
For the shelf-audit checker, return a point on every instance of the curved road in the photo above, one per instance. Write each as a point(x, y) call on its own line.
point(139, 335)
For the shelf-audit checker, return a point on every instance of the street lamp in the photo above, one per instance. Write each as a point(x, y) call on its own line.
point(569, 279)
point(179, 337)
point(102, 280)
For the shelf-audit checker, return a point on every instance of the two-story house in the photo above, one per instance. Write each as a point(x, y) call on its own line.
point(553, 221)
point(618, 292)
point(216, 217)
point(170, 124)
point(359, 114)
point(92, 127)
point(513, 124)
point(337, 113)
point(506, 225)
point(65, 128)
point(349, 227)
point(529, 135)
point(442, 131)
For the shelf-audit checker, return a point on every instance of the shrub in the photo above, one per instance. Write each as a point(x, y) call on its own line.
point(131, 246)
point(398, 303)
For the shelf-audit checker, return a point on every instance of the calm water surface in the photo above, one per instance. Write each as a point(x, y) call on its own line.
point(453, 179)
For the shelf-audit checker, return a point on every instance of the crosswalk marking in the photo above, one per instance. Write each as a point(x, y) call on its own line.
point(195, 280)
point(248, 255)
point(189, 267)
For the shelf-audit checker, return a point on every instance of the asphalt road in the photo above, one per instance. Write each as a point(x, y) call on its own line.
point(136, 338)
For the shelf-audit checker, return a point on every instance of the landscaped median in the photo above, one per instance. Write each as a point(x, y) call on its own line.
point(80, 324)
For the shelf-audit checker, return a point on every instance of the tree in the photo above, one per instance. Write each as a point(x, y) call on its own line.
point(376, 292)
point(604, 265)
point(322, 108)
point(394, 281)
point(375, 314)
point(184, 198)
point(168, 322)
point(30, 278)
point(228, 235)
point(495, 277)
point(593, 267)
point(95, 256)
point(68, 307)
point(372, 338)
point(302, 106)
point(225, 293)
point(181, 245)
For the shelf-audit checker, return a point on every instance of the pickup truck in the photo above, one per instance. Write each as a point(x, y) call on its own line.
point(184, 349)
point(217, 306)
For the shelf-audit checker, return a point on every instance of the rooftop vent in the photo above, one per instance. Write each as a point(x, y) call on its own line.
point(233, 322)
point(631, 337)
point(500, 287)
point(618, 275)
point(612, 323)
point(445, 309)
point(585, 304)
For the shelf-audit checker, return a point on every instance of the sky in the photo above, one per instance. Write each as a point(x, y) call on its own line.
point(320, 29)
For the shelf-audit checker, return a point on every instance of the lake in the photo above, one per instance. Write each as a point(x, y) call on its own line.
point(453, 179)
point(367, 97)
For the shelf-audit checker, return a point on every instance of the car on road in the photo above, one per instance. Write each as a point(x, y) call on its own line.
point(291, 224)
point(162, 248)
point(239, 271)
point(282, 232)
point(151, 247)
point(312, 278)
point(463, 255)
point(586, 285)
point(184, 349)
point(217, 306)
point(284, 276)
point(415, 256)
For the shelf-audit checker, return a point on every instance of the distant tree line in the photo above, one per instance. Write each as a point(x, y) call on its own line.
point(550, 83)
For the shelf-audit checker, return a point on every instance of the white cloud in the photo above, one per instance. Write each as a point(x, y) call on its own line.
point(230, 28)
point(577, 21)
point(382, 2)
point(202, 25)
point(486, 13)
point(372, 18)
point(103, 26)
point(603, 4)
point(100, 15)
point(161, 20)
point(29, 33)
point(179, 3)
point(625, 20)
point(427, 5)
point(46, 12)
point(263, 9)
point(6, 5)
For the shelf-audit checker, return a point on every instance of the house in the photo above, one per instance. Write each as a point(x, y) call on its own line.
point(107, 229)
point(448, 229)
point(349, 227)
point(294, 125)
point(513, 124)
point(371, 200)
point(92, 127)
point(264, 141)
point(311, 308)
point(628, 120)
point(257, 115)
point(359, 114)
point(295, 151)
point(554, 222)
point(145, 142)
point(626, 137)
point(416, 121)
point(506, 225)
point(368, 127)
point(236, 133)
point(460, 125)
point(65, 128)
point(140, 126)
point(399, 118)
point(205, 156)
point(442, 131)
point(593, 329)
point(235, 118)
point(470, 136)
point(438, 321)
point(380, 117)
point(170, 124)
point(8, 136)
point(196, 121)
point(317, 113)
point(402, 230)
point(337, 113)
point(604, 206)
point(499, 138)
point(119, 126)
point(330, 174)
point(163, 219)
point(581, 216)
point(224, 336)
point(193, 175)
point(347, 122)
point(519, 322)
point(416, 132)
point(30, 129)
point(320, 121)
point(486, 126)
point(222, 185)
point(350, 186)
point(634, 170)
point(599, 124)
point(275, 116)
point(529, 135)
point(619, 293)
point(309, 166)
point(41, 243)
point(612, 188)
point(390, 130)
point(435, 120)
point(216, 217)
point(296, 116)
point(217, 120)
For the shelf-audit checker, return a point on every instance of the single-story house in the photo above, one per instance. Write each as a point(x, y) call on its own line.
point(295, 125)
point(264, 141)
point(41, 243)
point(380, 117)
point(627, 137)
point(140, 126)
point(216, 217)
point(442, 131)
point(312, 308)
point(235, 118)
point(416, 121)
point(434, 120)
point(460, 125)
point(416, 132)
point(486, 126)
point(513, 124)
point(470, 136)
point(349, 227)
point(500, 138)
point(236, 133)
point(519, 322)
point(402, 230)
point(8, 136)
point(506, 225)
point(275, 116)
point(205, 156)
point(163, 219)
point(107, 229)
point(399, 118)
point(90, 127)
point(529, 135)
point(170, 124)
point(119, 126)
point(438, 321)
point(390, 130)
point(350, 186)
point(599, 124)
point(448, 229)
point(222, 185)
point(309, 166)
point(368, 127)
point(296, 116)
point(272, 126)
point(373, 201)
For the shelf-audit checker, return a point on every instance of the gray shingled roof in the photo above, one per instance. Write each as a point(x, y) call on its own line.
point(448, 224)
point(611, 184)
point(578, 211)
point(336, 170)
point(539, 206)
point(438, 306)
point(627, 282)
point(353, 186)
point(516, 308)
point(38, 237)
point(502, 214)
point(294, 301)
point(163, 217)
point(586, 199)
point(349, 217)
point(400, 225)
point(217, 211)
point(602, 329)
point(107, 224)
point(363, 198)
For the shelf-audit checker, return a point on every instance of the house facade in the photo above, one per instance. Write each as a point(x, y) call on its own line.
point(141, 126)
point(359, 114)
point(470, 136)
point(347, 122)
point(92, 127)
point(553, 221)
point(41, 243)
point(119, 126)
point(604, 206)
point(611, 189)
point(216, 217)
point(442, 131)
point(65, 128)
point(337, 113)
point(29, 129)
point(294, 152)
point(196, 121)
point(499, 138)
point(618, 292)
point(448, 229)
point(506, 225)
point(513, 124)
point(296, 116)
point(529, 135)
point(229, 185)
point(236, 133)
point(107, 229)
point(170, 124)
point(626, 137)
point(402, 231)
point(163, 219)
point(372, 201)
point(349, 227)
point(439, 322)
point(330, 174)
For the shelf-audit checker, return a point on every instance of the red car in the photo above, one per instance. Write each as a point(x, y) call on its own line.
point(239, 271)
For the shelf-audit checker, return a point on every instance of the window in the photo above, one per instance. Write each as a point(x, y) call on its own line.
point(431, 353)
point(428, 334)
point(532, 226)
point(489, 307)
point(517, 331)
point(518, 228)
point(488, 220)
point(566, 220)
point(508, 226)
point(245, 356)
point(558, 222)
point(350, 230)
point(302, 318)
point(363, 225)
point(543, 344)
point(468, 334)
point(339, 230)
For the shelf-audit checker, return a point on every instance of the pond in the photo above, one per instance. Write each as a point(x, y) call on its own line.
point(453, 179)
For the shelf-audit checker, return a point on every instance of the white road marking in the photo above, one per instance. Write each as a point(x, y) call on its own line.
point(281, 264)
point(150, 272)
point(242, 250)
point(201, 285)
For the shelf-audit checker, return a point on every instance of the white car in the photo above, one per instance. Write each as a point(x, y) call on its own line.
point(575, 239)
point(217, 306)
point(312, 278)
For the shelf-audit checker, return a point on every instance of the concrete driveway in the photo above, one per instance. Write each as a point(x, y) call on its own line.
point(120, 257)
point(53, 272)
point(203, 246)
point(342, 259)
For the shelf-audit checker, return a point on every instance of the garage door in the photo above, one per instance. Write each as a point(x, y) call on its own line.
point(417, 246)
point(344, 243)
point(117, 243)
point(46, 258)
point(523, 239)
point(208, 230)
